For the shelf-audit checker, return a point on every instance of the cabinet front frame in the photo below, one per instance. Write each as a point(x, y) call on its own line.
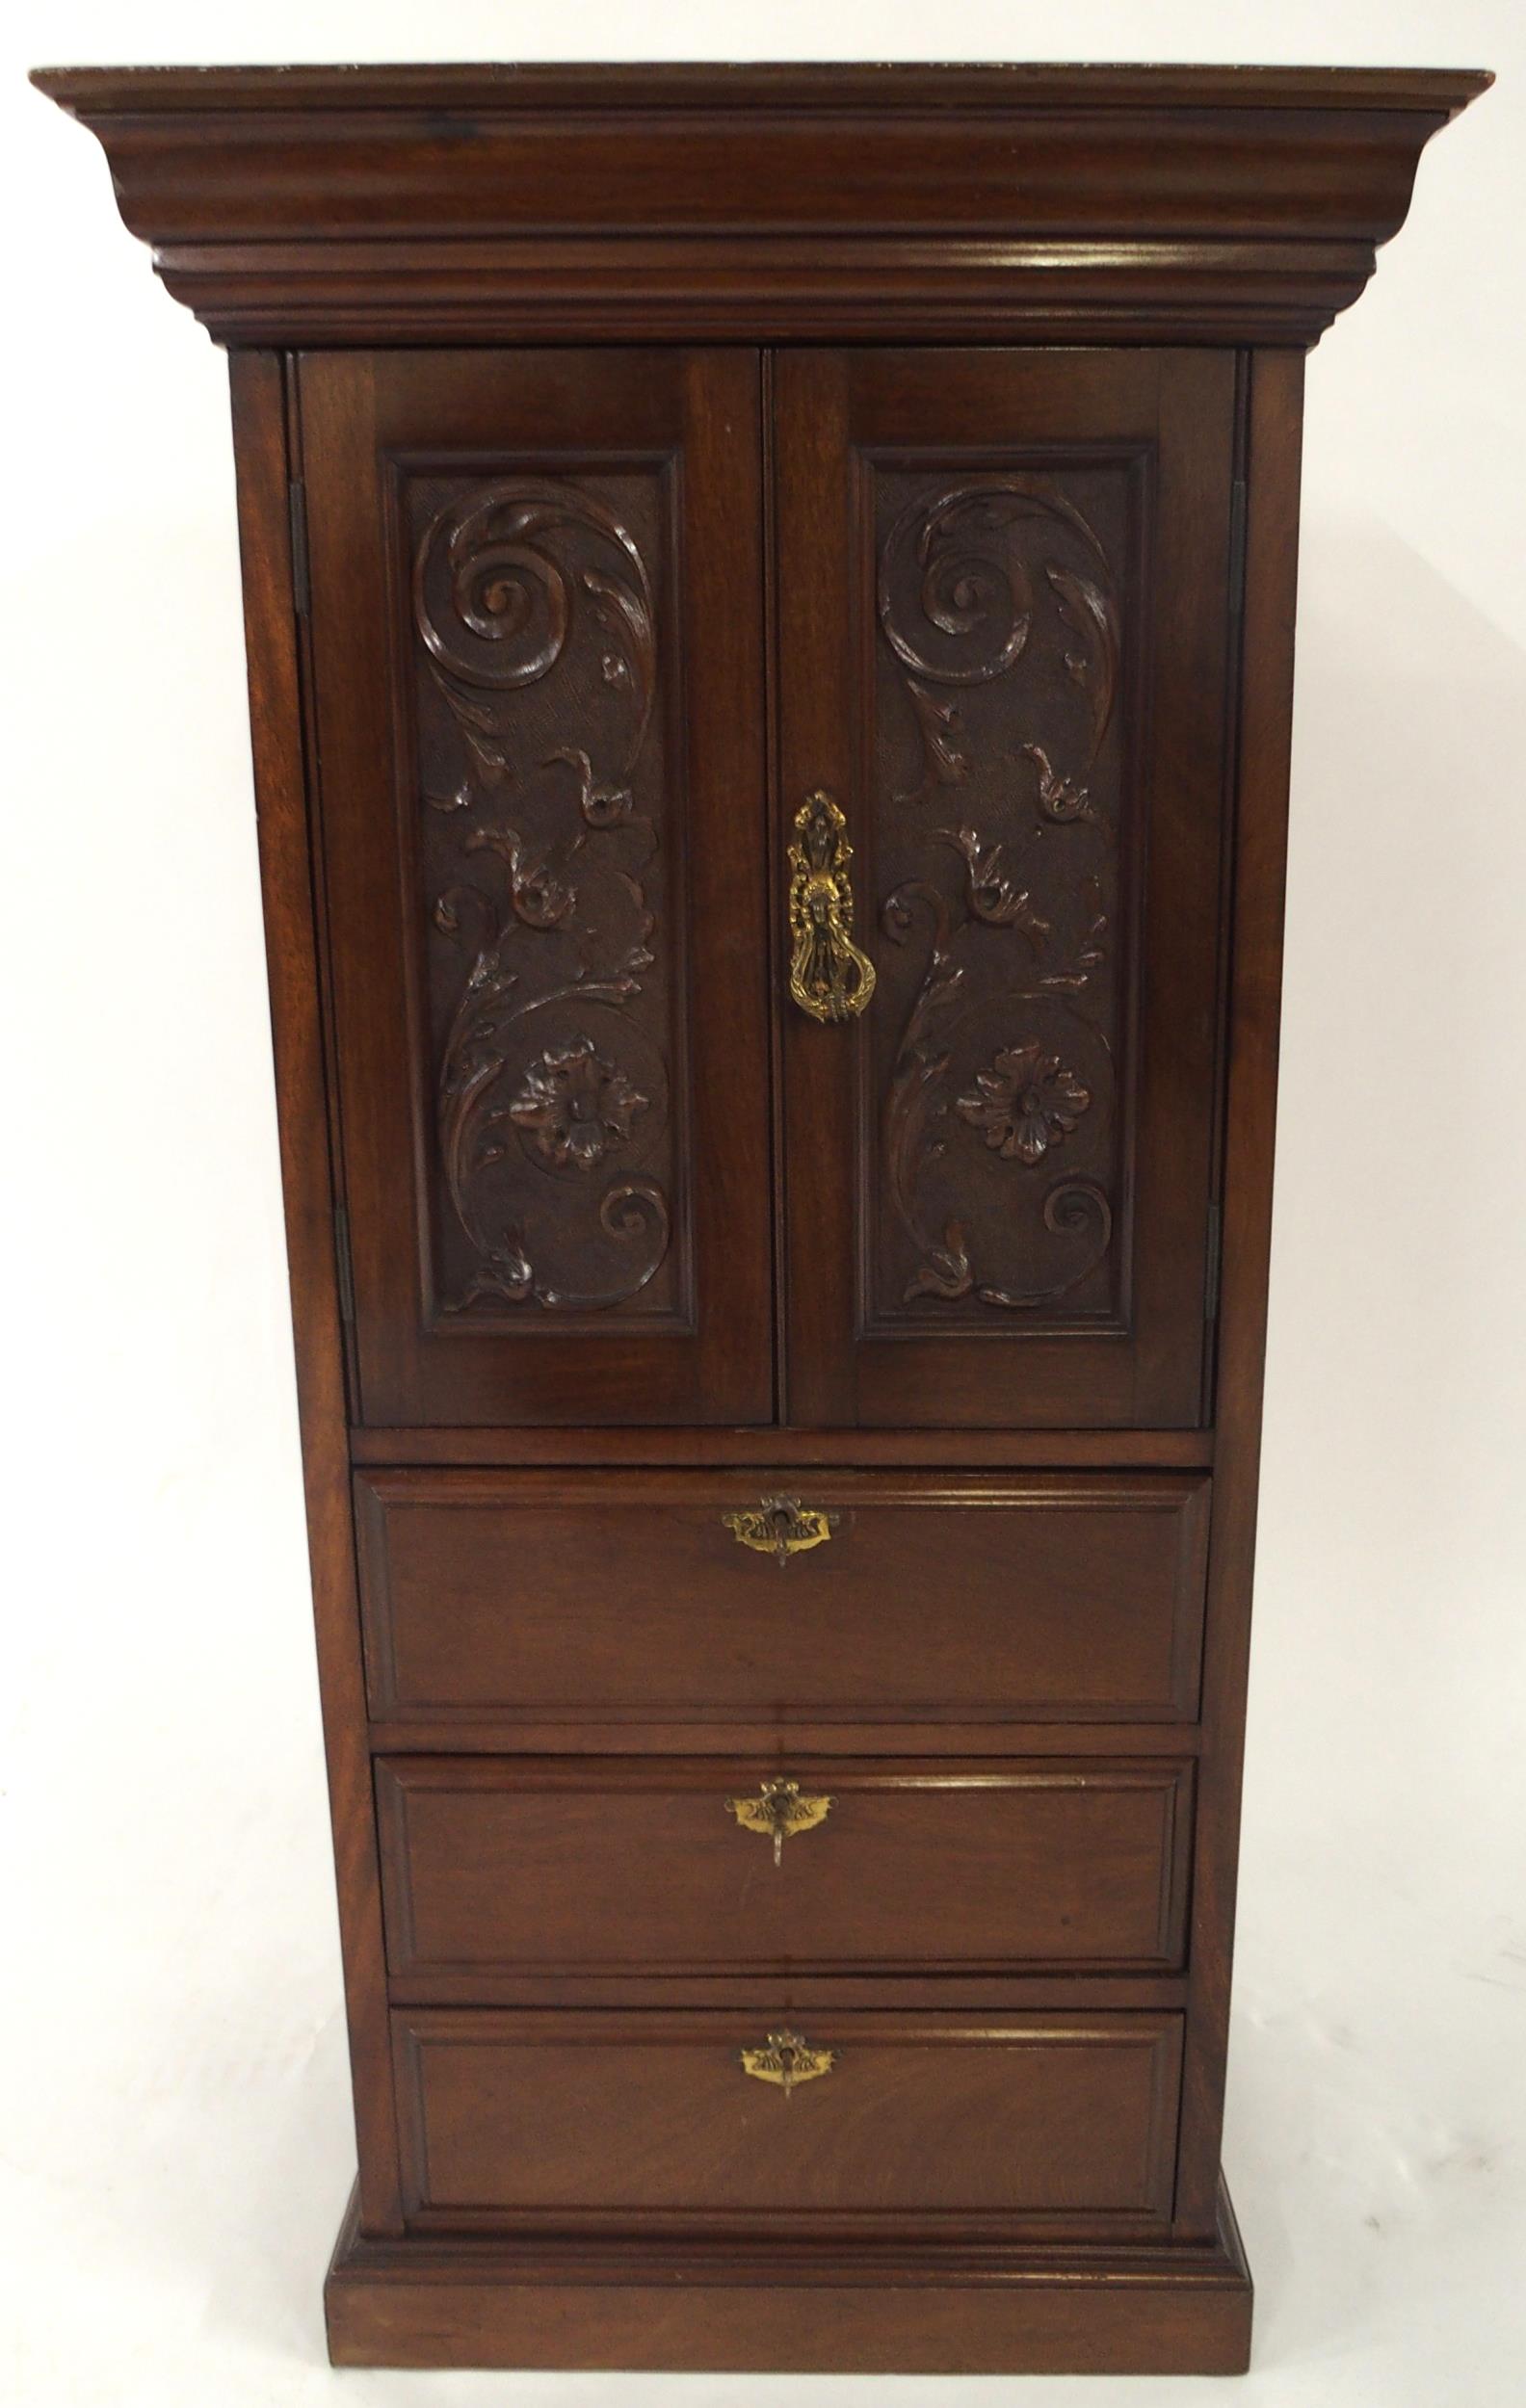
point(269, 458)
point(415, 1367)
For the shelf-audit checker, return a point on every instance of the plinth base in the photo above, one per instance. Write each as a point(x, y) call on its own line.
point(782, 2308)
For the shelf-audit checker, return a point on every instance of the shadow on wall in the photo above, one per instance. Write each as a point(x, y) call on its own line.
point(1399, 1272)
point(1376, 2004)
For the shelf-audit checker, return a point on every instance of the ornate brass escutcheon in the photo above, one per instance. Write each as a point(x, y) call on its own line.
point(829, 977)
point(780, 1527)
point(787, 2060)
point(779, 1809)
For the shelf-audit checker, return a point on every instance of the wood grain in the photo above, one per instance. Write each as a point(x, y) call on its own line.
point(1052, 2119)
point(627, 1597)
point(1265, 733)
point(491, 204)
point(1070, 960)
point(776, 1446)
point(1049, 2308)
point(302, 1106)
point(547, 930)
point(516, 1868)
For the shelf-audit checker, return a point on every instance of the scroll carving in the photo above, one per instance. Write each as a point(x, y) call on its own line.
point(535, 609)
point(957, 600)
point(1001, 1113)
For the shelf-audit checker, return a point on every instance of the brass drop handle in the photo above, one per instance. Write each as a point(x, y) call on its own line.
point(828, 978)
point(787, 2061)
point(778, 1811)
point(780, 1527)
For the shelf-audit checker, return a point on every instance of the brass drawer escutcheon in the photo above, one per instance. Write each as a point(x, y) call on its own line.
point(787, 2060)
point(829, 977)
point(779, 1811)
point(780, 1527)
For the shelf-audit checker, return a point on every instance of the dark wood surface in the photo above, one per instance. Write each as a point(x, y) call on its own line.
point(777, 1447)
point(634, 86)
point(608, 2121)
point(525, 1867)
point(292, 942)
point(758, 1734)
point(605, 1597)
point(1048, 2307)
point(595, 1239)
point(369, 206)
point(539, 697)
point(1010, 1152)
point(1273, 438)
point(1008, 1224)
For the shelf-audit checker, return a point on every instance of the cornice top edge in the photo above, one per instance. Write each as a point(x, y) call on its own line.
point(100, 91)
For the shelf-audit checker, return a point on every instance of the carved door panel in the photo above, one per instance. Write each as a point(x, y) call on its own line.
point(1003, 602)
point(537, 632)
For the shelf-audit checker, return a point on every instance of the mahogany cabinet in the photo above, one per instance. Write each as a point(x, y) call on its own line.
point(770, 601)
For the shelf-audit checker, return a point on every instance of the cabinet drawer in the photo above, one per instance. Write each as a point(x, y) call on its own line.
point(649, 1867)
point(608, 1597)
point(603, 2120)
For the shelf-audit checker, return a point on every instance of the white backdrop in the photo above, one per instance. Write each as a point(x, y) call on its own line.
point(176, 2145)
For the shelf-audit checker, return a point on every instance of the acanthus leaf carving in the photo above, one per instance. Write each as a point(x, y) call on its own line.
point(601, 805)
point(1086, 609)
point(1077, 1207)
point(946, 1270)
point(1059, 798)
point(538, 896)
point(975, 592)
point(624, 612)
point(963, 573)
point(946, 761)
point(499, 581)
point(991, 894)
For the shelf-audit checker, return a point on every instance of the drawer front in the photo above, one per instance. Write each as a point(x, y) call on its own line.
point(611, 1597)
point(718, 1865)
point(603, 2120)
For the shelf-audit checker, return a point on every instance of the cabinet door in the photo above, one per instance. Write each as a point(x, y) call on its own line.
point(536, 624)
point(1003, 604)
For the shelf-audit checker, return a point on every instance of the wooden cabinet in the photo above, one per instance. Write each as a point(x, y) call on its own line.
point(770, 598)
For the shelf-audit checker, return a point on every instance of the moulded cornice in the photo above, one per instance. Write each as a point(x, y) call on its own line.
point(365, 205)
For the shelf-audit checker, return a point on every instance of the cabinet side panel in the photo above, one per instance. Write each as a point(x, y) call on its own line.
point(259, 430)
point(1270, 599)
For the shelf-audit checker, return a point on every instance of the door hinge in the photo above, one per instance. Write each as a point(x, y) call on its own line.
point(296, 508)
point(1214, 1257)
point(1237, 539)
point(343, 1264)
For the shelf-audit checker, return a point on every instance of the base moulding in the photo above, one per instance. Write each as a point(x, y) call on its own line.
point(1142, 2308)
